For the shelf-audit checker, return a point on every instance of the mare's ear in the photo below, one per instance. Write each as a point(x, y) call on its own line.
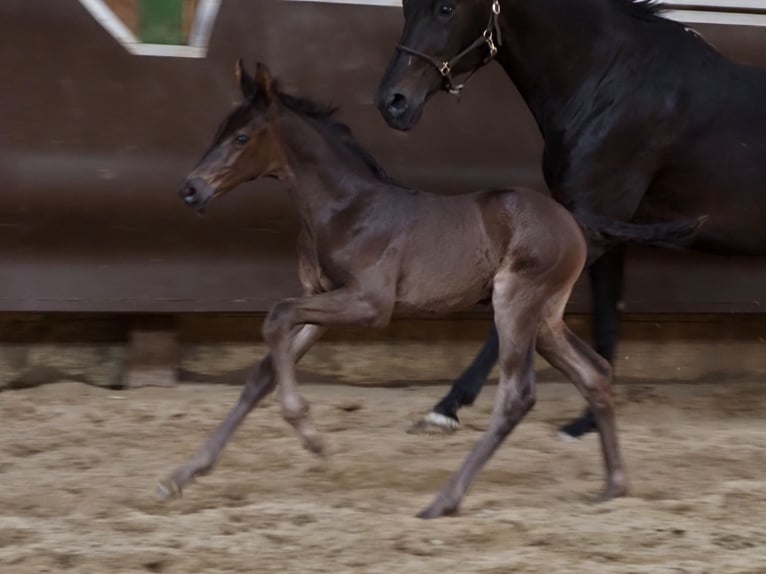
point(246, 82)
point(264, 82)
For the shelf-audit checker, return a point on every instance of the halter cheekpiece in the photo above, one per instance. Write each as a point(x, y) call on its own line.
point(491, 37)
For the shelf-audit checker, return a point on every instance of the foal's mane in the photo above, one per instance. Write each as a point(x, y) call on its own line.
point(324, 114)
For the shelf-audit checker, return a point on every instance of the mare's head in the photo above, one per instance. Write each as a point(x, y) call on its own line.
point(442, 39)
point(247, 145)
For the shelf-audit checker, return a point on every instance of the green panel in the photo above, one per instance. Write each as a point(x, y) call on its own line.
point(161, 21)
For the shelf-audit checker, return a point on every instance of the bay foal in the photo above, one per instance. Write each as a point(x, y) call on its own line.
point(369, 246)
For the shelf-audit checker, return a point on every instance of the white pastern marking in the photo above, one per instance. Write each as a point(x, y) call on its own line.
point(441, 421)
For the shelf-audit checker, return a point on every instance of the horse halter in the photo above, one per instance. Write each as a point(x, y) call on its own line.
point(491, 37)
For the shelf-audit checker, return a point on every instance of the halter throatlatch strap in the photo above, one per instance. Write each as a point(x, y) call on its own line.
point(491, 37)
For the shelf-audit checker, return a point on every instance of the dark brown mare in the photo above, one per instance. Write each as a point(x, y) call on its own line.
point(642, 121)
point(369, 246)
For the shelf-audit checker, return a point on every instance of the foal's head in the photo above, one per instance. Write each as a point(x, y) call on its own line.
point(442, 40)
point(247, 145)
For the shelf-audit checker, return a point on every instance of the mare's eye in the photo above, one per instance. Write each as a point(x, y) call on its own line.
point(446, 9)
point(242, 139)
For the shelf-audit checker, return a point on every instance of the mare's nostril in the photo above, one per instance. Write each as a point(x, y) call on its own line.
point(396, 105)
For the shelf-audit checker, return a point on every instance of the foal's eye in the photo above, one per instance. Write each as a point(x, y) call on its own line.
point(446, 9)
point(242, 139)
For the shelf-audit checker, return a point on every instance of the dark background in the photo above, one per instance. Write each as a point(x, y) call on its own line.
point(94, 143)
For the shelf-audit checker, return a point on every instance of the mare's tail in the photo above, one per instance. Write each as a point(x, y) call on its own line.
point(674, 234)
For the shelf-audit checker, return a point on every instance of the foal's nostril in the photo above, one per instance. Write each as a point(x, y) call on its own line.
point(188, 194)
point(396, 105)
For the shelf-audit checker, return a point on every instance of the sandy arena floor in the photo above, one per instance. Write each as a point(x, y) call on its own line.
point(78, 467)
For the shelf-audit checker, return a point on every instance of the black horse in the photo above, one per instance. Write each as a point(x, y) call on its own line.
point(642, 121)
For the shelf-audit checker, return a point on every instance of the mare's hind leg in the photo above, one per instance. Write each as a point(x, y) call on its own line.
point(592, 376)
point(260, 382)
point(517, 315)
point(443, 417)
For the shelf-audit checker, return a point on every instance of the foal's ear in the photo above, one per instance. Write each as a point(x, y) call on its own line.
point(246, 82)
point(263, 80)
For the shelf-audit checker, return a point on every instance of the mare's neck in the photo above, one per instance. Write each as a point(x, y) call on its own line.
point(555, 50)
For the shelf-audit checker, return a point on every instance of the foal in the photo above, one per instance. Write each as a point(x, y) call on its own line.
point(369, 246)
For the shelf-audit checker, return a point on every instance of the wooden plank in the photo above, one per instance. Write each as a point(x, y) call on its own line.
point(152, 358)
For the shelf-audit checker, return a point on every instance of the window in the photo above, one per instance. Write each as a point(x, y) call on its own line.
point(174, 28)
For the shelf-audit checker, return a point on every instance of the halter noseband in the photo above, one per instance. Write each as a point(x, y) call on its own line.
point(491, 37)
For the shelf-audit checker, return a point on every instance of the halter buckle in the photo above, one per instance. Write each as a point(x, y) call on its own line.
point(445, 69)
point(490, 43)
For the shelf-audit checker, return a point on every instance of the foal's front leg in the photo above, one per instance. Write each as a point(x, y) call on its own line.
point(260, 382)
point(343, 306)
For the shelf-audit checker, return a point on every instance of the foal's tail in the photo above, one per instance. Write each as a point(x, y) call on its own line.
point(606, 231)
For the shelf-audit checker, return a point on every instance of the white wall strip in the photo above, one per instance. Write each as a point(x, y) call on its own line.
point(721, 18)
point(360, 2)
point(719, 5)
point(202, 28)
point(728, 12)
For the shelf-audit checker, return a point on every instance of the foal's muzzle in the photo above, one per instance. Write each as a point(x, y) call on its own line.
point(196, 192)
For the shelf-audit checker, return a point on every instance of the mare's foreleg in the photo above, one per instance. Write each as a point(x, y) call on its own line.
point(443, 417)
point(260, 382)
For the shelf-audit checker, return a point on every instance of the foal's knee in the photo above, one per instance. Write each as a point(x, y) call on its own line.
point(260, 381)
point(599, 388)
point(526, 398)
point(516, 405)
point(278, 322)
point(521, 394)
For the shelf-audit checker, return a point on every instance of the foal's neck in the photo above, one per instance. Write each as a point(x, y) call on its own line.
point(325, 176)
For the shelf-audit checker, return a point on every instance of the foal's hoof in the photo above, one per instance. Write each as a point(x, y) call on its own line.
point(435, 423)
point(168, 490)
point(436, 511)
point(315, 443)
point(610, 492)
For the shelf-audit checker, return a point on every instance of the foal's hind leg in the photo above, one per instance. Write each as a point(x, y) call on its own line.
point(260, 382)
point(517, 312)
point(592, 376)
point(606, 279)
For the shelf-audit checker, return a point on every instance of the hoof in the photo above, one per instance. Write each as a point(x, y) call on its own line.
point(435, 511)
point(435, 423)
point(612, 491)
point(168, 490)
point(564, 437)
point(315, 443)
point(578, 427)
